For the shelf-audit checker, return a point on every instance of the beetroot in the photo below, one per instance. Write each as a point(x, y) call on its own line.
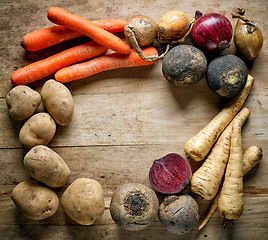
point(170, 174)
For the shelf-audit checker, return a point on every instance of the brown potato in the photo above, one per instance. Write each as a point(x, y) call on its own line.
point(58, 101)
point(46, 166)
point(83, 201)
point(22, 101)
point(37, 130)
point(34, 201)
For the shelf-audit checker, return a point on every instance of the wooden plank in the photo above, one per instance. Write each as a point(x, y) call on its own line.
point(124, 119)
point(141, 118)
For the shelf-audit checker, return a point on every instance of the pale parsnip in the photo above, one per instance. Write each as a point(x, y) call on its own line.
point(207, 179)
point(251, 157)
point(199, 145)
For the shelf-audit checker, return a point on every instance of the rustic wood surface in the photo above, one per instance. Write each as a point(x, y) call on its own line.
point(125, 119)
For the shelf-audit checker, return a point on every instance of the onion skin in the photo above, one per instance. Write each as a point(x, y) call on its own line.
point(212, 32)
point(248, 44)
point(144, 29)
point(173, 25)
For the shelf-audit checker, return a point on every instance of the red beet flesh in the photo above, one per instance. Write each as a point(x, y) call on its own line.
point(170, 174)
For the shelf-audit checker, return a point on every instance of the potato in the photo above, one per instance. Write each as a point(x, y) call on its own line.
point(46, 166)
point(37, 130)
point(22, 101)
point(58, 101)
point(34, 201)
point(83, 201)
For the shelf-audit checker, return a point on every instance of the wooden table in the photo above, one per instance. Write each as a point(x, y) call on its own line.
point(125, 119)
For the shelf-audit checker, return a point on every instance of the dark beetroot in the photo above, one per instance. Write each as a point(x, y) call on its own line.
point(170, 174)
point(212, 32)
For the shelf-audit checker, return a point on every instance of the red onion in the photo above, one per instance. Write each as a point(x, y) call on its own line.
point(211, 32)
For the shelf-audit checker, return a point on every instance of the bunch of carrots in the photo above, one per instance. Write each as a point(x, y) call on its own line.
point(70, 26)
point(219, 145)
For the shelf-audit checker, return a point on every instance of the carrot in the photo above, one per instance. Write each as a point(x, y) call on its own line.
point(64, 18)
point(230, 203)
point(207, 179)
point(251, 157)
point(104, 63)
point(43, 68)
point(199, 145)
point(50, 36)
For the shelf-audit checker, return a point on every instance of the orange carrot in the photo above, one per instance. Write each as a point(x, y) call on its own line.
point(104, 63)
point(43, 68)
point(64, 18)
point(50, 36)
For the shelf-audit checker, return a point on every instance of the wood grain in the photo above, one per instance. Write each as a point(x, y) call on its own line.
point(124, 119)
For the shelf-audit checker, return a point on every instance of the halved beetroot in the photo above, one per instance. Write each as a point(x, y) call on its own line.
point(170, 174)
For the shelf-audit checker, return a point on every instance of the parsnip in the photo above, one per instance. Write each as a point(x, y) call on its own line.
point(207, 179)
point(251, 157)
point(199, 145)
point(231, 202)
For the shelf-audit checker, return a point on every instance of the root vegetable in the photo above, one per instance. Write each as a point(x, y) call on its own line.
point(83, 201)
point(22, 101)
point(104, 63)
point(173, 27)
point(251, 157)
point(45, 67)
point(58, 101)
point(39, 129)
point(34, 201)
point(226, 75)
point(140, 31)
point(170, 174)
point(211, 32)
point(184, 65)
point(248, 37)
point(231, 202)
point(134, 206)
point(199, 145)
point(64, 18)
point(207, 179)
point(179, 214)
point(46, 166)
point(47, 37)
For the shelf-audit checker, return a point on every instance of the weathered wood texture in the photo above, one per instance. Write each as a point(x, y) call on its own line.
point(123, 120)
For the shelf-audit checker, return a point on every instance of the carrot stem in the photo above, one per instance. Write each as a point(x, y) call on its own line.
point(104, 63)
point(64, 18)
point(47, 37)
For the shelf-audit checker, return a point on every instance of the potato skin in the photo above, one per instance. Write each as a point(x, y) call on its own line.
point(46, 166)
point(179, 214)
point(34, 201)
point(58, 101)
point(22, 101)
point(83, 201)
point(37, 130)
